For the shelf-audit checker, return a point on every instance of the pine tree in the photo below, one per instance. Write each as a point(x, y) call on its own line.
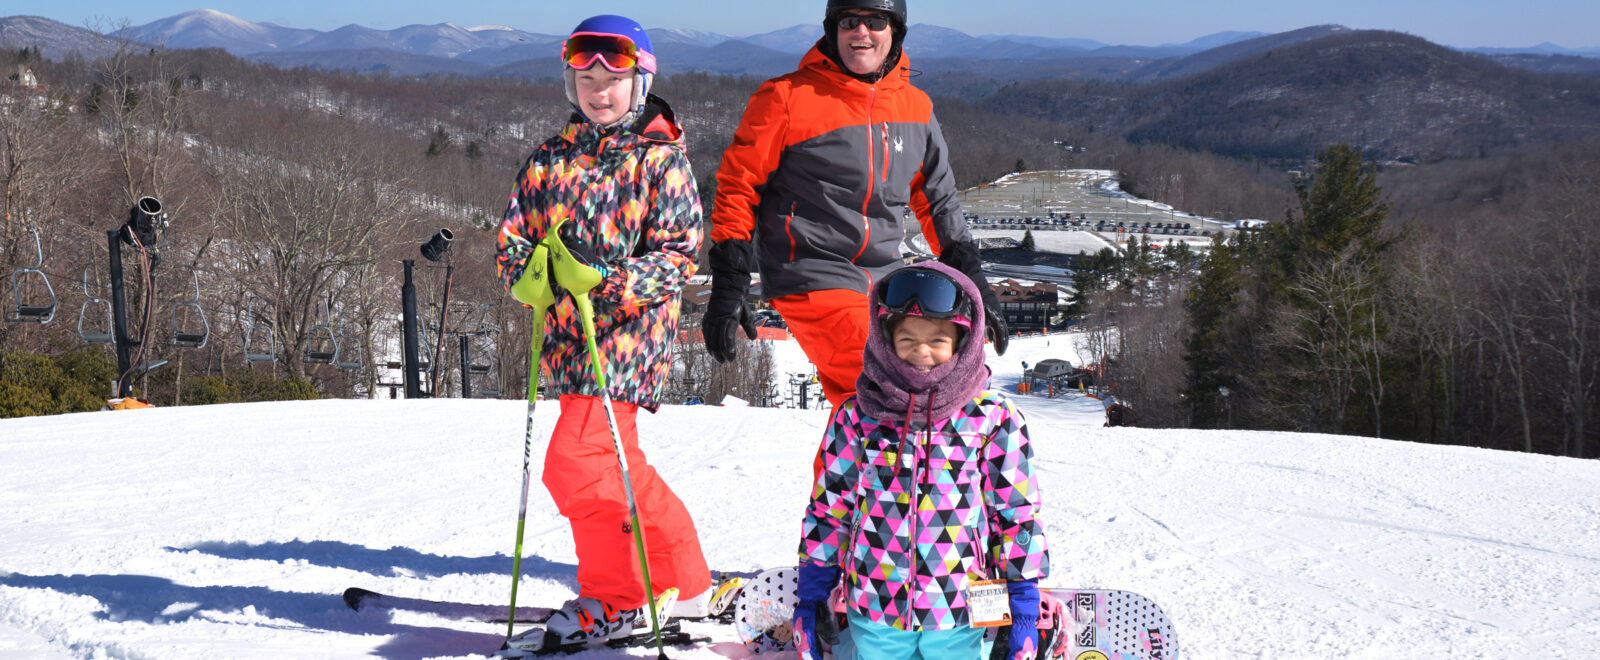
point(439, 143)
point(1325, 327)
point(1213, 311)
point(1027, 241)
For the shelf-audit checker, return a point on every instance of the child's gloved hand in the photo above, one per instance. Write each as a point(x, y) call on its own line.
point(815, 629)
point(581, 250)
point(1020, 640)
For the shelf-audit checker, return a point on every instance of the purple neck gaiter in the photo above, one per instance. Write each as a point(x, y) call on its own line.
point(889, 388)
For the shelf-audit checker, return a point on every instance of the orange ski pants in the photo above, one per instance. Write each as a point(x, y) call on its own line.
point(831, 326)
point(582, 475)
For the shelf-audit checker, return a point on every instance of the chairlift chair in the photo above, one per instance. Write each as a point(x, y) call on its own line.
point(349, 355)
point(483, 360)
point(187, 335)
point(489, 386)
point(33, 309)
point(424, 353)
point(322, 346)
point(483, 348)
point(260, 341)
point(100, 334)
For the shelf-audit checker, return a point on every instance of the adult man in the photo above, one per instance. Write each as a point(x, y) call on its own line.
point(826, 162)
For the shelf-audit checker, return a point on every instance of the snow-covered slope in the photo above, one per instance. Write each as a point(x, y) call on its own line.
point(229, 531)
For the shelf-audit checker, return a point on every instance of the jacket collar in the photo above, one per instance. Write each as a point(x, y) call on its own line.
point(655, 123)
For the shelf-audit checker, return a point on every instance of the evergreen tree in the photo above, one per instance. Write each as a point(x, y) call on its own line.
point(96, 100)
point(1212, 350)
point(439, 143)
point(1027, 241)
point(1325, 329)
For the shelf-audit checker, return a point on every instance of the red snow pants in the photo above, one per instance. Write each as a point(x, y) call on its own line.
point(831, 327)
point(582, 475)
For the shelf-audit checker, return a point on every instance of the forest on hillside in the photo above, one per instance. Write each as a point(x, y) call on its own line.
point(293, 195)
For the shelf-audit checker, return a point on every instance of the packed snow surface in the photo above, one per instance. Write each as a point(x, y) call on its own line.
point(230, 531)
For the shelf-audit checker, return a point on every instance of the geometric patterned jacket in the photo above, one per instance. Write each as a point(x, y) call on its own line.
point(632, 196)
point(969, 480)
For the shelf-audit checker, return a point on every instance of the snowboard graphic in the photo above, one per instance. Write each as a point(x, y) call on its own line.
point(1074, 624)
point(1099, 624)
point(765, 610)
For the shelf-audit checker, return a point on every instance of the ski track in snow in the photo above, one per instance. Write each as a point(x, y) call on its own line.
point(230, 531)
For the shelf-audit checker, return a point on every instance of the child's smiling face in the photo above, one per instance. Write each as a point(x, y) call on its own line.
point(925, 343)
point(603, 95)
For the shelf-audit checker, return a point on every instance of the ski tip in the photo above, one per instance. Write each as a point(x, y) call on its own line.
point(354, 596)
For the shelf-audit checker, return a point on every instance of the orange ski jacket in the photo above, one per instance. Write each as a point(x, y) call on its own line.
point(822, 171)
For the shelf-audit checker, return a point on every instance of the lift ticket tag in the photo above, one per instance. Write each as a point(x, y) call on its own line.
point(988, 603)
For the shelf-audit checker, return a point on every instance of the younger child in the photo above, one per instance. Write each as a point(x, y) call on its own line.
point(619, 178)
point(927, 485)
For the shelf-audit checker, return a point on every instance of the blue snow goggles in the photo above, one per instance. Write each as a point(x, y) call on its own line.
point(923, 292)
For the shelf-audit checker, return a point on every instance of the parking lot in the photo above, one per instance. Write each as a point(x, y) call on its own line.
point(1058, 204)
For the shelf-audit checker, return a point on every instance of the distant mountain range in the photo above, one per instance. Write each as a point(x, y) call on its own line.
point(500, 50)
point(492, 48)
point(1391, 95)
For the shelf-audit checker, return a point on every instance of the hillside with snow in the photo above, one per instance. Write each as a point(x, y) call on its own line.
point(230, 531)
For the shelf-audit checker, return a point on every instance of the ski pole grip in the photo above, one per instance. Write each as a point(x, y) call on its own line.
point(533, 288)
point(571, 273)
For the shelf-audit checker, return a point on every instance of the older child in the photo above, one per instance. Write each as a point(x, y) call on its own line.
point(619, 178)
point(927, 486)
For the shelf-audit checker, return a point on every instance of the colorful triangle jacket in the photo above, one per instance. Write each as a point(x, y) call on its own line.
point(911, 512)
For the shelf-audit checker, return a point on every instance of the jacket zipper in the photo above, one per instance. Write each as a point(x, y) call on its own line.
point(788, 228)
point(885, 175)
point(872, 179)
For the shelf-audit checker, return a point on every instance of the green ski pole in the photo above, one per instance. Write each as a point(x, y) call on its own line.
point(579, 279)
point(533, 289)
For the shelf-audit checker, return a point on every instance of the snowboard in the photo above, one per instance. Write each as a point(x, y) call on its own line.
point(1105, 624)
point(1074, 624)
point(765, 609)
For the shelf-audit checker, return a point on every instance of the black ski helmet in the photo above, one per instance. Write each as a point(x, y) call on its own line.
point(896, 9)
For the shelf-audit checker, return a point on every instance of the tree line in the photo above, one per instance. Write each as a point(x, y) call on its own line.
point(1475, 329)
point(1449, 302)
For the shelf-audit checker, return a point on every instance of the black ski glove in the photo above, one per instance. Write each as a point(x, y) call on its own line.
point(730, 262)
point(965, 258)
point(583, 253)
point(580, 250)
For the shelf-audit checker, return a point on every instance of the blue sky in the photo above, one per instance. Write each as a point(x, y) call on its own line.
point(1569, 23)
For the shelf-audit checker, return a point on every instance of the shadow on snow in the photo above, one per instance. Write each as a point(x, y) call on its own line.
point(392, 562)
point(160, 601)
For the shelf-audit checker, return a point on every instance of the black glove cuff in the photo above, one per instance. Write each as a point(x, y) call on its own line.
point(731, 262)
point(963, 257)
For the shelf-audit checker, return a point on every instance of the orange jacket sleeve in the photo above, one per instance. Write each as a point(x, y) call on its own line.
point(749, 162)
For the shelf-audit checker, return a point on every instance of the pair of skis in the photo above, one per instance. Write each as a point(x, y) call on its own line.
point(531, 643)
point(552, 259)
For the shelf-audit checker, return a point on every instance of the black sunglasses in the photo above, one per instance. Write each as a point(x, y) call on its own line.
point(875, 23)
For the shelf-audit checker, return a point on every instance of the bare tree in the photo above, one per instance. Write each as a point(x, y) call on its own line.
point(304, 216)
